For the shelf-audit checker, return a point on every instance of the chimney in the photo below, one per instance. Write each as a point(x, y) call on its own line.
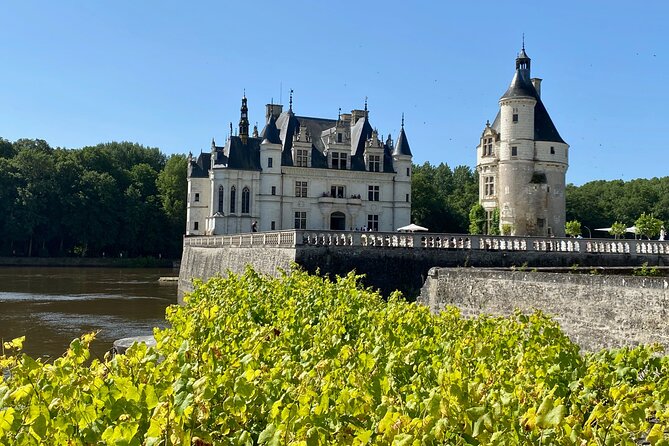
point(273, 110)
point(536, 82)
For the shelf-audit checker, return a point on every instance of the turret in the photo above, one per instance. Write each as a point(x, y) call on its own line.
point(244, 121)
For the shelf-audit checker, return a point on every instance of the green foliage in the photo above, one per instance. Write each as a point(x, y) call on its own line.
point(618, 229)
point(507, 229)
point(573, 228)
point(644, 271)
point(107, 199)
point(477, 219)
point(441, 197)
point(648, 226)
point(598, 203)
point(494, 225)
point(300, 360)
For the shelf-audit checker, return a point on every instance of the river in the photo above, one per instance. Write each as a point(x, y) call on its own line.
point(52, 306)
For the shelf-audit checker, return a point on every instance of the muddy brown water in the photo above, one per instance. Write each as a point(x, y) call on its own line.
point(52, 306)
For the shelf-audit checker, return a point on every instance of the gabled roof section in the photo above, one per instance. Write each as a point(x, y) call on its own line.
point(402, 146)
point(361, 131)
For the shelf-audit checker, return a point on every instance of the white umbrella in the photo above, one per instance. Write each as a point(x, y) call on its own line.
point(412, 228)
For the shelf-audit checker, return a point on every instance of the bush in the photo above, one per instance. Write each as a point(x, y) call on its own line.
point(301, 360)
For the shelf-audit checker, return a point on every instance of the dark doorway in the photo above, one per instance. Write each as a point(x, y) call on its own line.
point(337, 221)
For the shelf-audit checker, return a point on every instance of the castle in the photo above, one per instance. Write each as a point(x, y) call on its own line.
point(301, 173)
point(522, 160)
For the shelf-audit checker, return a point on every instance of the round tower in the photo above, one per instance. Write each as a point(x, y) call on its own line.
point(525, 173)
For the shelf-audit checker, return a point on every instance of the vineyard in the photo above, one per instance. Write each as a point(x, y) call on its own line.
point(300, 360)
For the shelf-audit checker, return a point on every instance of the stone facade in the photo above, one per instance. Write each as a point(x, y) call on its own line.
point(595, 311)
point(301, 172)
point(522, 161)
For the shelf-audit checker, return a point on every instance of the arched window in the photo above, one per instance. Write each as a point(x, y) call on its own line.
point(220, 199)
point(246, 200)
point(233, 199)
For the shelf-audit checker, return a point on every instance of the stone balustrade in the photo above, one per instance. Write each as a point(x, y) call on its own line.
point(424, 240)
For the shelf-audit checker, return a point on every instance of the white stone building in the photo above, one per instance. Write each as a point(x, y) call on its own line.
point(301, 172)
point(522, 161)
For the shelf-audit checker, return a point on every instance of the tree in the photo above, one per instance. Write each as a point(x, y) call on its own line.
point(573, 228)
point(648, 226)
point(494, 225)
point(618, 229)
point(172, 187)
point(477, 219)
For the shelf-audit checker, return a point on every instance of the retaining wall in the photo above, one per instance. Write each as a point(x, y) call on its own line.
point(594, 311)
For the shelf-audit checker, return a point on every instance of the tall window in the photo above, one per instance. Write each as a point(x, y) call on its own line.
point(373, 222)
point(489, 183)
point(374, 163)
point(302, 158)
point(339, 138)
point(300, 220)
point(487, 146)
point(514, 151)
point(273, 190)
point(220, 199)
point(337, 191)
point(270, 162)
point(339, 160)
point(488, 221)
point(373, 193)
point(246, 200)
point(233, 199)
point(301, 189)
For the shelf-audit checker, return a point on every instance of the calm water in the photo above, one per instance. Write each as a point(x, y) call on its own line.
point(51, 306)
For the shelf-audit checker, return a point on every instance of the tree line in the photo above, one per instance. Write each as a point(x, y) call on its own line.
point(446, 200)
point(112, 199)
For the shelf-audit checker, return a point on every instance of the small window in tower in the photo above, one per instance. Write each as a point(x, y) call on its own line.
point(273, 190)
point(407, 198)
point(541, 222)
point(270, 162)
point(514, 151)
point(515, 117)
point(408, 172)
point(197, 198)
point(552, 150)
point(196, 226)
point(273, 225)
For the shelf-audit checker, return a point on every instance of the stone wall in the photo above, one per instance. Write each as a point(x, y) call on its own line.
point(595, 311)
point(204, 263)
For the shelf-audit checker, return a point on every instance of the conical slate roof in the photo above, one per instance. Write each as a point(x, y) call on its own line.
point(402, 145)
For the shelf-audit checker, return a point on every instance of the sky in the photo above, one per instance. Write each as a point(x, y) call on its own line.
point(171, 74)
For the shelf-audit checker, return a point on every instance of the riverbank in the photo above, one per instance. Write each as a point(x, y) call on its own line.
point(100, 262)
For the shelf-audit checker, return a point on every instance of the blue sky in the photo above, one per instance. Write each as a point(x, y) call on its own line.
point(171, 74)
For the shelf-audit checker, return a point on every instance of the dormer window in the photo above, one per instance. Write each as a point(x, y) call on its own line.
point(339, 160)
point(339, 137)
point(302, 157)
point(487, 146)
point(374, 163)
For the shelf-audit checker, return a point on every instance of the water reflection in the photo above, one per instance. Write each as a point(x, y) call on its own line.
point(51, 306)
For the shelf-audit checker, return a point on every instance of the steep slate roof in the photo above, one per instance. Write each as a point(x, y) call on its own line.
point(243, 156)
point(521, 86)
point(402, 146)
point(200, 168)
point(270, 132)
